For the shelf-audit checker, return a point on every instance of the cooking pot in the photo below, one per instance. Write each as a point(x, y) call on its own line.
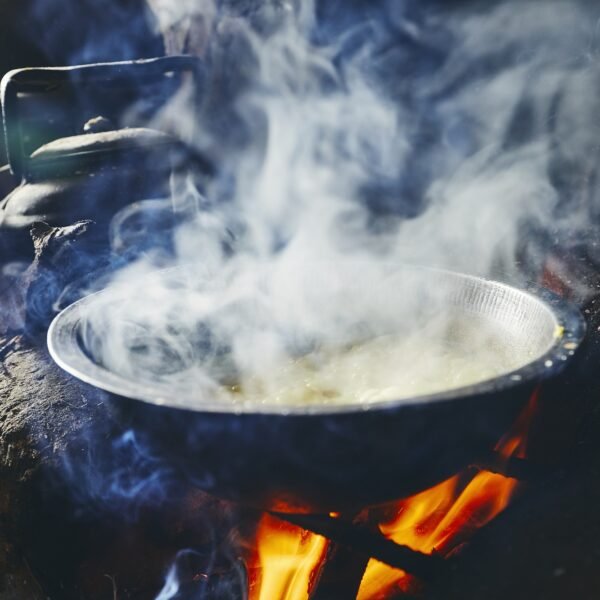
point(324, 457)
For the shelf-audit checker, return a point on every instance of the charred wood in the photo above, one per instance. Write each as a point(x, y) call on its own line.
point(371, 544)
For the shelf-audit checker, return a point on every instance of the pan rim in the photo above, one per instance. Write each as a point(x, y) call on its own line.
point(571, 328)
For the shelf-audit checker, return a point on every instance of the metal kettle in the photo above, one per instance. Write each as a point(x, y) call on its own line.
point(97, 168)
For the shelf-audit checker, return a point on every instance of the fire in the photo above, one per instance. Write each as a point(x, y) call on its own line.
point(437, 520)
point(288, 560)
point(443, 517)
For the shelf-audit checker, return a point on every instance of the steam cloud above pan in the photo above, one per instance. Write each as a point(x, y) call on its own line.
point(407, 135)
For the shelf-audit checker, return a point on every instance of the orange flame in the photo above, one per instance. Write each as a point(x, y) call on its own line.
point(288, 559)
point(437, 520)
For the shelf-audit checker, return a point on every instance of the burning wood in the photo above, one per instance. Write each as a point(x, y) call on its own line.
point(435, 522)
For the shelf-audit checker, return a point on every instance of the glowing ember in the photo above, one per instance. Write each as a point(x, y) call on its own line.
point(437, 520)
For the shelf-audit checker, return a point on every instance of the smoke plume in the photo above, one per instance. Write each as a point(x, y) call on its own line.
point(410, 136)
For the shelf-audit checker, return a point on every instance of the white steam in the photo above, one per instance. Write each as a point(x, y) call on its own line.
point(351, 149)
point(184, 23)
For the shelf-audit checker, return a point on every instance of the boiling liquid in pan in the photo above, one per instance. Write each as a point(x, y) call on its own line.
point(390, 367)
point(394, 359)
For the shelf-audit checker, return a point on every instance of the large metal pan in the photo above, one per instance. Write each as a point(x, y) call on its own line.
point(323, 458)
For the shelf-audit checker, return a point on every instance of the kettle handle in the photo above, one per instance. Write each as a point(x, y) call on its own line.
point(20, 83)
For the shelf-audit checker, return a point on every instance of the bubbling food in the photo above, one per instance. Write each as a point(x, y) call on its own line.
point(386, 368)
point(422, 334)
point(246, 351)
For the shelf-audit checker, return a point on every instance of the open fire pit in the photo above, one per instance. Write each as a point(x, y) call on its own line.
point(280, 363)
